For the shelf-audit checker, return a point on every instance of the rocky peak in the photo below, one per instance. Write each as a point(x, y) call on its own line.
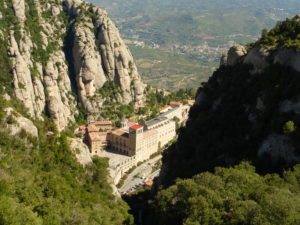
point(233, 55)
point(279, 45)
point(66, 48)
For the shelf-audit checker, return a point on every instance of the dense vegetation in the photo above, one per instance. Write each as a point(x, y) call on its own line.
point(5, 64)
point(230, 196)
point(284, 34)
point(42, 183)
point(156, 99)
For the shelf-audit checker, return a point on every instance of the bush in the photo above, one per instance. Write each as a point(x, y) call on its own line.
point(289, 127)
point(284, 34)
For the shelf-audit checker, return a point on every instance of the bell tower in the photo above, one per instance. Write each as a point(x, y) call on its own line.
point(124, 123)
point(136, 141)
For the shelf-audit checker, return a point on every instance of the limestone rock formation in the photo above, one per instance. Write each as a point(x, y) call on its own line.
point(261, 58)
point(107, 58)
point(80, 150)
point(234, 54)
point(63, 54)
point(19, 7)
point(223, 60)
point(16, 124)
point(258, 58)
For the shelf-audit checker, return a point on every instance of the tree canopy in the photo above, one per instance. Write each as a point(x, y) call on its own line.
point(232, 196)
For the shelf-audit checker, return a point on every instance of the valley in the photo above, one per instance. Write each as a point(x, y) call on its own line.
point(172, 69)
point(189, 37)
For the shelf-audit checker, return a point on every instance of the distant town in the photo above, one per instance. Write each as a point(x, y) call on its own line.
point(133, 142)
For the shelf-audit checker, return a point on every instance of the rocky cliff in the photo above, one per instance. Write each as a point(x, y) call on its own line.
point(248, 110)
point(59, 53)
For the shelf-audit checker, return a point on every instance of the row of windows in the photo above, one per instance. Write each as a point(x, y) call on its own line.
point(160, 125)
point(119, 150)
point(121, 144)
point(171, 131)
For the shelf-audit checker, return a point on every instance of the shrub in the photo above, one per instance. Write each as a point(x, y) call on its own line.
point(289, 127)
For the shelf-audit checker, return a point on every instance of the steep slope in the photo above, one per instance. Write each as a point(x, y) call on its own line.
point(55, 57)
point(248, 110)
point(57, 50)
point(42, 183)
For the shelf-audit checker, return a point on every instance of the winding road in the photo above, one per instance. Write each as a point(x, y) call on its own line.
point(134, 177)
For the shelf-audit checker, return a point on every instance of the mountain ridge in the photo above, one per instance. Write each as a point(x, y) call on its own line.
point(248, 110)
point(46, 78)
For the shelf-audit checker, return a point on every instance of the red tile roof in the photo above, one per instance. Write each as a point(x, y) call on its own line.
point(94, 137)
point(149, 182)
point(80, 130)
point(119, 132)
point(97, 136)
point(163, 108)
point(99, 123)
point(175, 103)
point(136, 126)
point(92, 128)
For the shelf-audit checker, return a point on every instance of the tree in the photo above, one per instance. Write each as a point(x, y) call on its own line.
point(289, 127)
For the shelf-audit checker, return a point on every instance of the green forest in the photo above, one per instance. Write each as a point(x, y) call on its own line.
point(42, 183)
point(231, 196)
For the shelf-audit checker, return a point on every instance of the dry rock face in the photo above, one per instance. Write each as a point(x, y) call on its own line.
point(18, 124)
point(19, 7)
point(73, 49)
point(233, 55)
point(261, 58)
point(99, 55)
point(80, 150)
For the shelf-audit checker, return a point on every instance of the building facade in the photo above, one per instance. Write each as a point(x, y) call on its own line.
point(166, 129)
point(136, 140)
point(97, 141)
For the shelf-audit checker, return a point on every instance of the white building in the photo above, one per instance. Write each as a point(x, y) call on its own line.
point(180, 112)
point(165, 128)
